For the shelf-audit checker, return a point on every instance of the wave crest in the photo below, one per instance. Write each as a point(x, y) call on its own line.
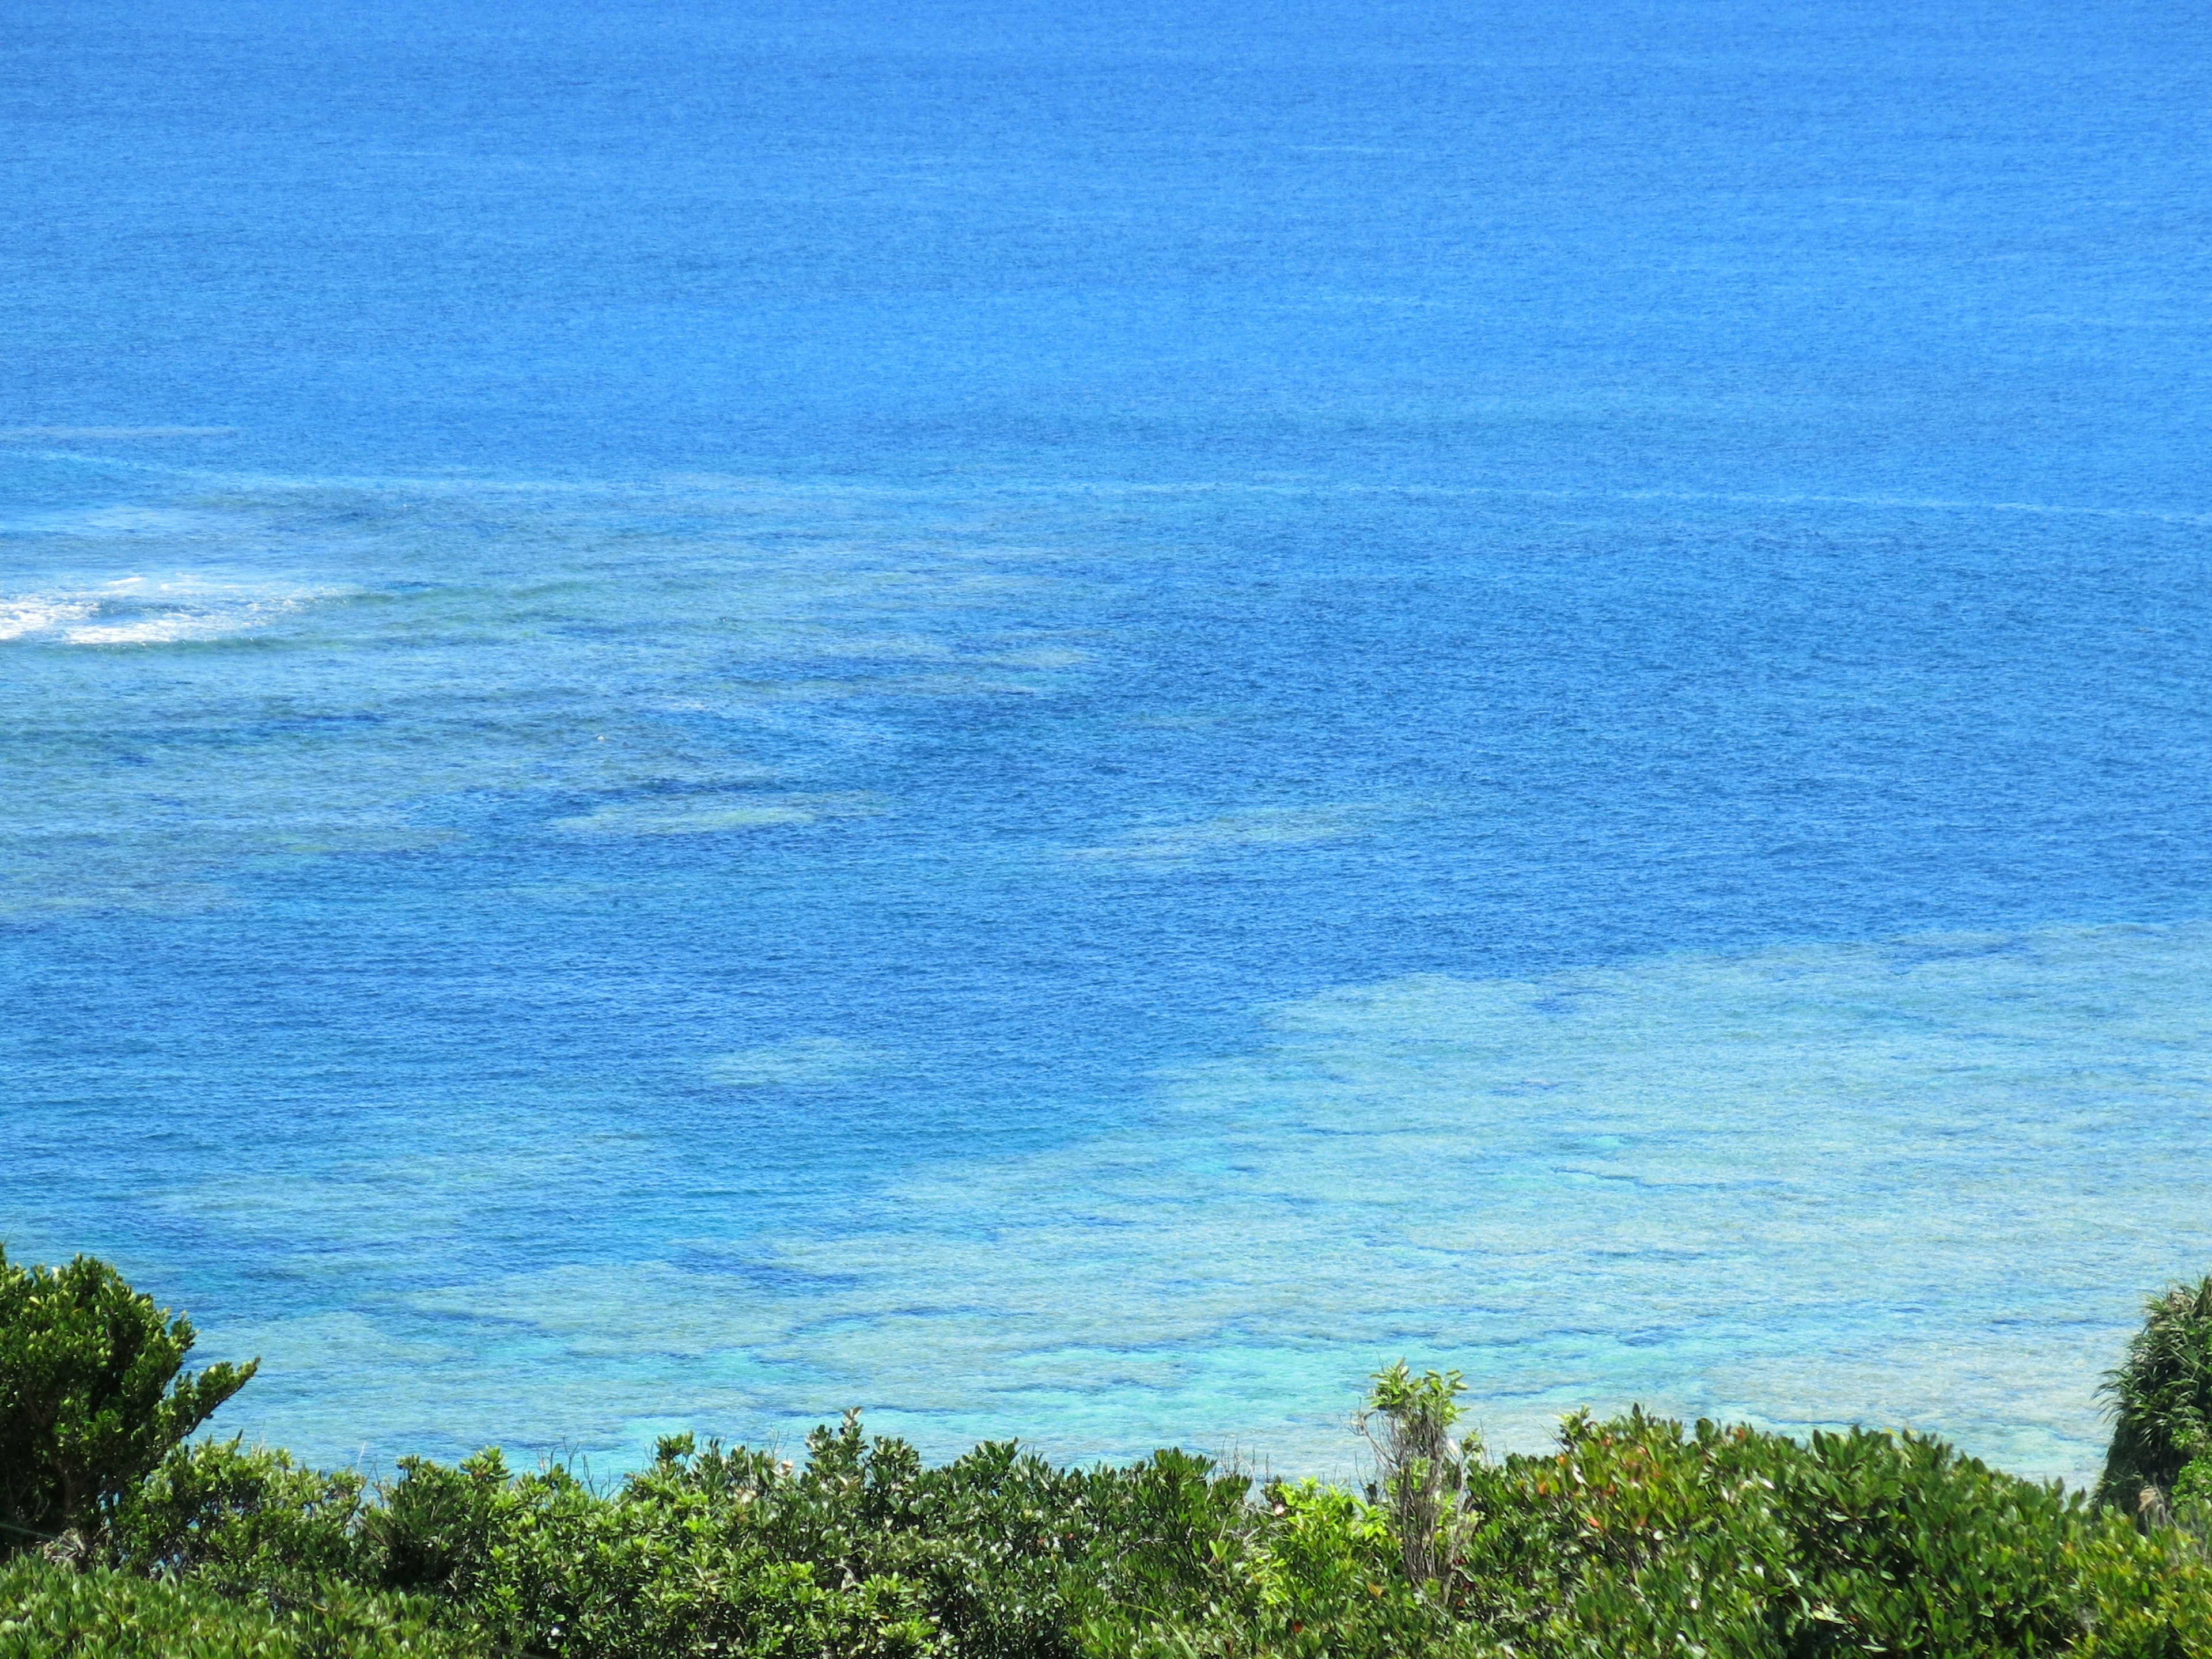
point(149, 611)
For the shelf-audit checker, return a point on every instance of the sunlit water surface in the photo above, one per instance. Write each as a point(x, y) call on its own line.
point(1069, 725)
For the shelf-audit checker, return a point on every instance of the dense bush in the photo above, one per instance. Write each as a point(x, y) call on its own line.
point(1639, 1539)
point(240, 1519)
point(860, 1551)
point(1636, 1538)
point(90, 1397)
point(2162, 1398)
point(49, 1610)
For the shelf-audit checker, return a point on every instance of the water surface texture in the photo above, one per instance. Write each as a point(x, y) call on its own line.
point(1068, 720)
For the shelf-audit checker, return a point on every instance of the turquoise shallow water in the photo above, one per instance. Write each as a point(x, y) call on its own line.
point(1070, 727)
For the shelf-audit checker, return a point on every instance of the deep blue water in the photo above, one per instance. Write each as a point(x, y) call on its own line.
point(1069, 722)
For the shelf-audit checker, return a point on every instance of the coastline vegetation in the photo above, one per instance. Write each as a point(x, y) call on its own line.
point(1634, 1537)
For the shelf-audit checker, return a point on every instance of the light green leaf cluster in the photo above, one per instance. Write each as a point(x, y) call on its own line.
point(51, 1610)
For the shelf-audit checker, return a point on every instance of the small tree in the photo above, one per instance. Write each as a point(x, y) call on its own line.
point(2161, 1400)
point(90, 1397)
point(1408, 1421)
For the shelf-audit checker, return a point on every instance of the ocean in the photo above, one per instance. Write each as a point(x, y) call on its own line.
point(1069, 722)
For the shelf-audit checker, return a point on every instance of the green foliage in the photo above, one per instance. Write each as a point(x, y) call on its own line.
point(1635, 1538)
point(2161, 1399)
point(1430, 1398)
point(1313, 1571)
point(2139, 1596)
point(90, 1397)
point(49, 1611)
point(2190, 1500)
point(242, 1519)
point(860, 1554)
point(676, 1564)
point(437, 1527)
point(1408, 1421)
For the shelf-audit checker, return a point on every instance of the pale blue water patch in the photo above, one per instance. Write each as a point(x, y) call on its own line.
point(1071, 723)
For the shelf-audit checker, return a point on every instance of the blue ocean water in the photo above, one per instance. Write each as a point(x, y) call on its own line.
point(1070, 720)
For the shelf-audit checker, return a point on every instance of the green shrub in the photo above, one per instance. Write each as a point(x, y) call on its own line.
point(2139, 1596)
point(1314, 1570)
point(862, 1552)
point(2161, 1399)
point(1408, 1421)
point(50, 1611)
point(1635, 1539)
point(241, 1519)
point(90, 1397)
point(704, 1553)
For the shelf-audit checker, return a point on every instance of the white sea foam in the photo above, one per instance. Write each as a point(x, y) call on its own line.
point(38, 614)
point(151, 611)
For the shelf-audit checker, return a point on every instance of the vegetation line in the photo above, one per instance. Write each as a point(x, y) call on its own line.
point(1635, 1538)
